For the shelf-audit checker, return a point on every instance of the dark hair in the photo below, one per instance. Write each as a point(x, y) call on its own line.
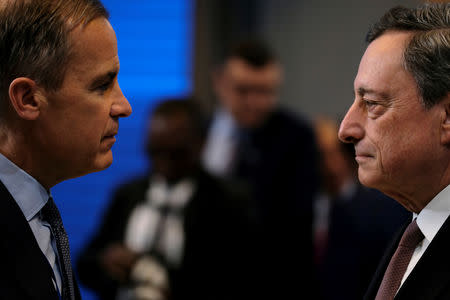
point(427, 55)
point(183, 105)
point(34, 39)
point(253, 51)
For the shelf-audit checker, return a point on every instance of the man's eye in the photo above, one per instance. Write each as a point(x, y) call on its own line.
point(104, 86)
point(371, 106)
point(374, 108)
point(369, 103)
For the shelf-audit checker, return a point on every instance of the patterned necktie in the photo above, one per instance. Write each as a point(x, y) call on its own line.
point(399, 262)
point(51, 215)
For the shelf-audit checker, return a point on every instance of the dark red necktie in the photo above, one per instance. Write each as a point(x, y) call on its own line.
point(399, 262)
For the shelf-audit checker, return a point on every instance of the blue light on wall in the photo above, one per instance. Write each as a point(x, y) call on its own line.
point(155, 46)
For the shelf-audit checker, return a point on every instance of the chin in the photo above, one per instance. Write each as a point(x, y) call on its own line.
point(367, 179)
point(103, 162)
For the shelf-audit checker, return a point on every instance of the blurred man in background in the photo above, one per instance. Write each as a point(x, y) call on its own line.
point(350, 234)
point(252, 139)
point(176, 233)
point(60, 105)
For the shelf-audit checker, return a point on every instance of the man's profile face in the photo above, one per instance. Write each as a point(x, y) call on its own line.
point(248, 93)
point(395, 137)
point(79, 121)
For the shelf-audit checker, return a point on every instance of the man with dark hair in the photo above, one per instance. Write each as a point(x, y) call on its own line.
point(176, 232)
point(252, 139)
point(60, 103)
point(399, 124)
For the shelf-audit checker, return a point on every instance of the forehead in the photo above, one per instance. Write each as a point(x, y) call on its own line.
point(93, 50)
point(239, 70)
point(381, 68)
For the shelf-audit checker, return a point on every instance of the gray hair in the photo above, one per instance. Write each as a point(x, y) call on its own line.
point(34, 39)
point(427, 55)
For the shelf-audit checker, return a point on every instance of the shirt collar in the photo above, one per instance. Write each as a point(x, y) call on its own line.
point(433, 215)
point(29, 194)
point(224, 123)
point(175, 196)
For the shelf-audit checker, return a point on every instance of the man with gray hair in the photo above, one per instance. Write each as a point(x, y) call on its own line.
point(399, 124)
point(60, 103)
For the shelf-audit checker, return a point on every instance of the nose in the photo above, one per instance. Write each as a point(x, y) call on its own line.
point(352, 129)
point(121, 107)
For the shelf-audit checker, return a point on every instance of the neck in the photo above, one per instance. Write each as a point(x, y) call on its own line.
point(15, 145)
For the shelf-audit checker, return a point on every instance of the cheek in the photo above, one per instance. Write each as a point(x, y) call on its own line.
point(399, 151)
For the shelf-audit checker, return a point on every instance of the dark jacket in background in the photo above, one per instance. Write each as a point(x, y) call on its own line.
point(360, 229)
point(279, 162)
point(217, 238)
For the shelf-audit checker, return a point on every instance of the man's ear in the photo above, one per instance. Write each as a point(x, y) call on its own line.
point(24, 98)
point(445, 132)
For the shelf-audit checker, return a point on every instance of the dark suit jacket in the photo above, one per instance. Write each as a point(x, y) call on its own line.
point(430, 278)
point(279, 161)
point(25, 272)
point(216, 234)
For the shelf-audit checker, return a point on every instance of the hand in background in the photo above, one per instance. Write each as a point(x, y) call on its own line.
point(118, 261)
point(151, 279)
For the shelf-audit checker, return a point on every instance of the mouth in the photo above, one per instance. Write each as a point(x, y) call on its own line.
point(110, 138)
point(111, 134)
point(361, 157)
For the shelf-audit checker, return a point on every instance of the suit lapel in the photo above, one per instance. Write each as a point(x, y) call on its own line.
point(18, 245)
point(433, 269)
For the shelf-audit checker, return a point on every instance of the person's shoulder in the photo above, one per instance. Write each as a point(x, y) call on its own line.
point(212, 181)
point(223, 188)
point(285, 115)
point(231, 195)
point(289, 128)
point(291, 121)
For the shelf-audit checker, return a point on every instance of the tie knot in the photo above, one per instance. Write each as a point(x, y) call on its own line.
point(412, 236)
point(50, 213)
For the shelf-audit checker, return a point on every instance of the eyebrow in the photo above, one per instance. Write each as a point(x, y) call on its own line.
point(366, 91)
point(109, 76)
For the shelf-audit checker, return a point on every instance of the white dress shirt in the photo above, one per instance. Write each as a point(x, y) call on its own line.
point(221, 143)
point(146, 218)
point(149, 229)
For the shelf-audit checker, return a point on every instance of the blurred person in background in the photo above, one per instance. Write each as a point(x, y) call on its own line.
point(253, 139)
point(350, 233)
point(60, 104)
point(399, 124)
point(176, 233)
